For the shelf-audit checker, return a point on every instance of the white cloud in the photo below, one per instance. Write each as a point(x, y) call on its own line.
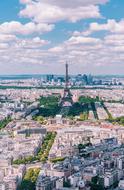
point(74, 3)
point(7, 38)
point(51, 11)
point(4, 45)
point(15, 27)
point(82, 40)
point(81, 50)
point(85, 51)
point(115, 39)
point(31, 43)
point(88, 52)
point(69, 3)
point(111, 26)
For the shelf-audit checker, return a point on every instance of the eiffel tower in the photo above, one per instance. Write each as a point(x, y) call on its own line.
point(66, 100)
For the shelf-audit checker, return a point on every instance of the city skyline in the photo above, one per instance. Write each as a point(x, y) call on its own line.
point(38, 37)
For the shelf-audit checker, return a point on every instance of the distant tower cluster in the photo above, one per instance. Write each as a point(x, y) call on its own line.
point(66, 100)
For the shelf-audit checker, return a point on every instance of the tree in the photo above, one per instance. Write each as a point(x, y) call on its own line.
point(29, 180)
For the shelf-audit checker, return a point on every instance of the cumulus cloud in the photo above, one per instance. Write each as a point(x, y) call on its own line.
point(111, 26)
point(7, 38)
point(31, 43)
point(52, 11)
point(20, 44)
point(73, 3)
point(69, 3)
point(85, 52)
point(15, 27)
point(82, 40)
point(4, 45)
point(91, 52)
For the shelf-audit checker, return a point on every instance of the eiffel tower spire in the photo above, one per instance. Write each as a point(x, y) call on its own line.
point(66, 77)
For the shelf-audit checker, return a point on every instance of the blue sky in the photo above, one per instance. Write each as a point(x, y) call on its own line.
point(38, 37)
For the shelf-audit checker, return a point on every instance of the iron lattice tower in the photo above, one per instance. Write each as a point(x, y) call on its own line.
point(66, 100)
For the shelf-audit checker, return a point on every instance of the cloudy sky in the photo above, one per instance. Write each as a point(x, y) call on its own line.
point(39, 36)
